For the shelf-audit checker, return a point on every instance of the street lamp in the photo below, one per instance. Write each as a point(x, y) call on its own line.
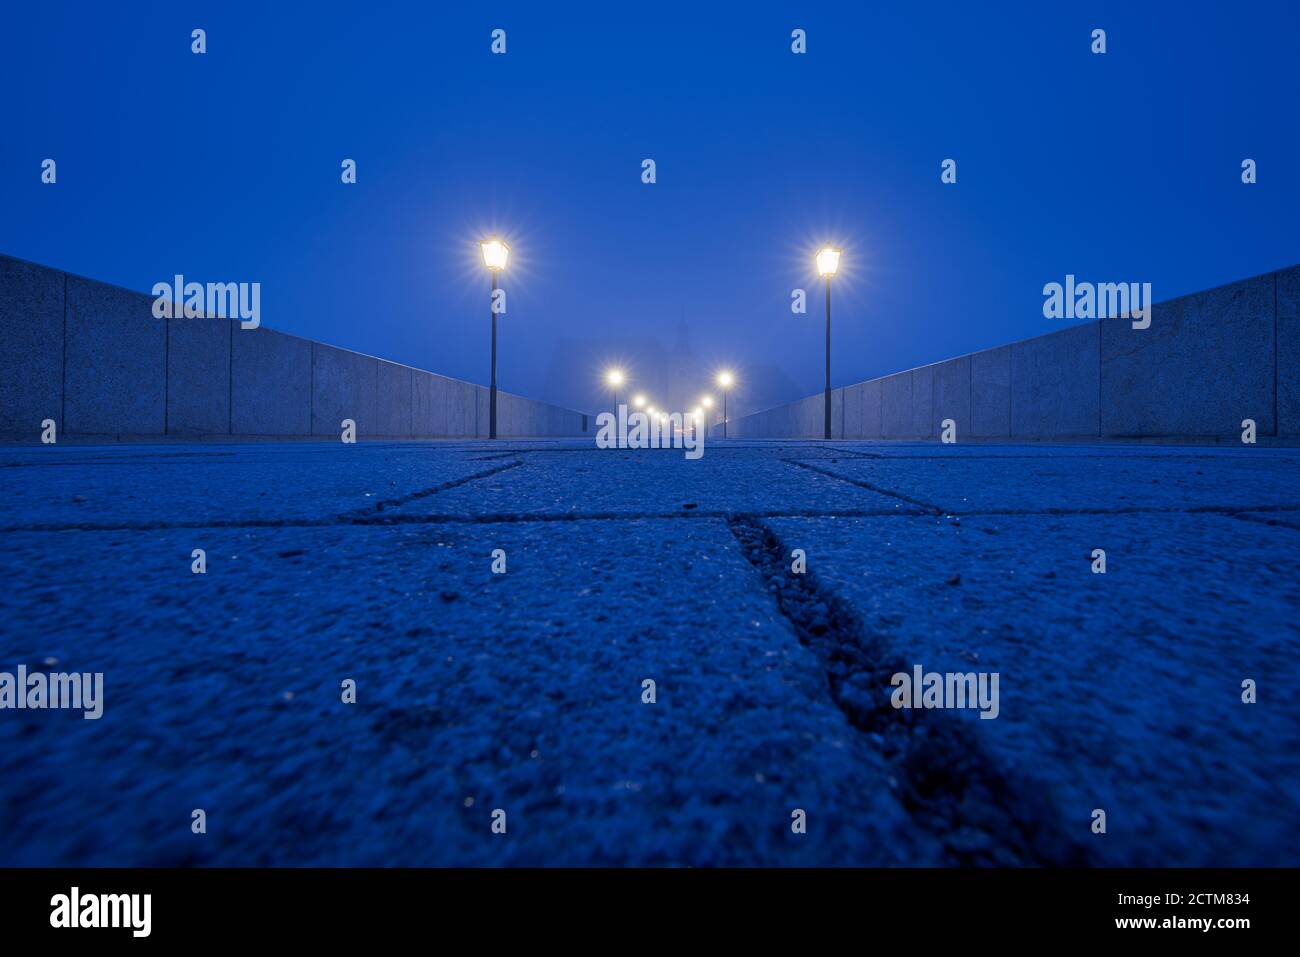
point(638, 401)
point(615, 379)
point(828, 261)
point(495, 254)
point(725, 379)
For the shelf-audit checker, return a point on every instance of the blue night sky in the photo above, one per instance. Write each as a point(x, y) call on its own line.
point(1123, 167)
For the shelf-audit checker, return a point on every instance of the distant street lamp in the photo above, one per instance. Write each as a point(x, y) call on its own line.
point(725, 380)
point(615, 379)
point(828, 261)
point(638, 401)
point(495, 254)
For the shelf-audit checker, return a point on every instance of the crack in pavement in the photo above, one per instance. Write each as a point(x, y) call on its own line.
point(425, 493)
point(367, 518)
point(961, 457)
point(1232, 510)
point(723, 514)
point(861, 483)
point(174, 458)
point(857, 454)
point(436, 519)
point(1271, 522)
point(951, 789)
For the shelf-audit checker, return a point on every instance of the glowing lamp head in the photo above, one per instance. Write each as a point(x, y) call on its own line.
point(495, 254)
point(614, 377)
point(725, 380)
point(638, 401)
point(650, 411)
point(697, 412)
point(828, 261)
point(707, 401)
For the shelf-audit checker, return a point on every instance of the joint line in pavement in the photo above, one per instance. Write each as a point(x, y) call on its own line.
point(861, 483)
point(425, 493)
point(367, 517)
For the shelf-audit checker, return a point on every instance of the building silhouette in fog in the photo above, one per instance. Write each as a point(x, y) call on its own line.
point(672, 376)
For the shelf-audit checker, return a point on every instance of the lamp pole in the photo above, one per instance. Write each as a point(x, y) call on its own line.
point(614, 378)
point(495, 253)
point(828, 356)
point(725, 380)
point(492, 403)
point(828, 261)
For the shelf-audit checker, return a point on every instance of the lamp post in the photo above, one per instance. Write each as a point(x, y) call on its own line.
point(615, 379)
point(495, 254)
point(707, 402)
point(725, 379)
point(828, 261)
